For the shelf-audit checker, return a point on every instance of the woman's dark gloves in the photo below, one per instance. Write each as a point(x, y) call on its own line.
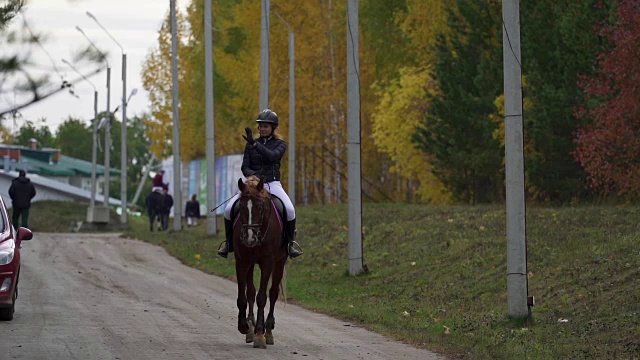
point(249, 136)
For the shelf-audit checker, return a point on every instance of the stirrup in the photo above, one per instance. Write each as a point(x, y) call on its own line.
point(293, 252)
point(223, 249)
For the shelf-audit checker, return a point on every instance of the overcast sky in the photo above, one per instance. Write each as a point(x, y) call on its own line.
point(133, 23)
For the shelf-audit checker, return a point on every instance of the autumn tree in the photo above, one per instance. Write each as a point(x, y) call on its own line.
point(457, 131)
point(608, 146)
point(402, 50)
point(558, 44)
point(157, 81)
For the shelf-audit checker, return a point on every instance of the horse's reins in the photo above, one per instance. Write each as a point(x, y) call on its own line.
point(271, 205)
point(264, 235)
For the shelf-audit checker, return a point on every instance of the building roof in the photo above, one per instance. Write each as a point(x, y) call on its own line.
point(50, 162)
point(66, 166)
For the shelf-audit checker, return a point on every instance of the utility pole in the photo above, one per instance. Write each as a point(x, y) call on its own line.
point(102, 214)
point(212, 225)
point(292, 111)
point(517, 286)
point(354, 138)
point(107, 142)
point(123, 144)
point(143, 178)
point(123, 131)
point(177, 175)
point(94, 145)
point(292, 117)
point(264, 55)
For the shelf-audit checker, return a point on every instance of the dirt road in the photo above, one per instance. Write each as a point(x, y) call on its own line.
point(104, 297)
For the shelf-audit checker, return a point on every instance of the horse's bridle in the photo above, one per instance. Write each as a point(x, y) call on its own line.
point(244, 234)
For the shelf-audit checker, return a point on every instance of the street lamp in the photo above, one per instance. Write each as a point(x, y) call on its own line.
point(94, 150)
point(292, 110)
point(123, 132)
point(107, 134)
point(131, 94)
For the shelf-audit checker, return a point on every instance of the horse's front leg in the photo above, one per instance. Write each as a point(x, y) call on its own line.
point(276, 280)
point(241, 276)
point(251, 299)
point(266, 267)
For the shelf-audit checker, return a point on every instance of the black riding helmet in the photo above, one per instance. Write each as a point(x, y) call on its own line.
point(267, 116)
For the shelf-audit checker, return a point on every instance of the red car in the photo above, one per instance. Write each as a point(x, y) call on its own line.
point(10, 244)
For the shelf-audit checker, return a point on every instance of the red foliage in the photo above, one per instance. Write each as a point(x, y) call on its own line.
point(609, 147)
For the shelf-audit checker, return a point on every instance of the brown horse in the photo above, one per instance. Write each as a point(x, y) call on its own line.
point(257, 239)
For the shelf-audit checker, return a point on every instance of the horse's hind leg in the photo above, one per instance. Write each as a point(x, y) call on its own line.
point(276, 280)
point(251, 299)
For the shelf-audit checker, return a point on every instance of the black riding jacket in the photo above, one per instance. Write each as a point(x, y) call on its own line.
point(262, 159)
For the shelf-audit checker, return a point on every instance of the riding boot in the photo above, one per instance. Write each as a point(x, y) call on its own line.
point(290, 233)
point(227, 246)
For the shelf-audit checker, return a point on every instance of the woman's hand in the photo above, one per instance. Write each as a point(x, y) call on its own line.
point(249, 136)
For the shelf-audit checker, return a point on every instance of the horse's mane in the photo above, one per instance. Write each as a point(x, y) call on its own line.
point(252, 190)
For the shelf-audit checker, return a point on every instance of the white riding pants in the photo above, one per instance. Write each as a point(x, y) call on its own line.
point(273, 187)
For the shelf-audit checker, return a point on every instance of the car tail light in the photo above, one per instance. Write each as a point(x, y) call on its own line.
point(6, 285)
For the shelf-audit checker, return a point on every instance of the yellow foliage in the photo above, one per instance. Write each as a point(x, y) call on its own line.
point(5, 135)
point(396, 118)
point(422, 23)
point(321, 94)
point(157, 81)
point(499, 118)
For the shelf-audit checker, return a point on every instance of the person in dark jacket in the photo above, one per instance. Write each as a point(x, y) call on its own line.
point(192, 211)
point(153, 205)
point(21, 192)
point(166, 203)
point(262, 158)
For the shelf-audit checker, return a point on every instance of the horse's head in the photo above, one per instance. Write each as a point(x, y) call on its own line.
point(255, 209)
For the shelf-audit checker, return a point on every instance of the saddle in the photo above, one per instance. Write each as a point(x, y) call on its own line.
point(280, 209)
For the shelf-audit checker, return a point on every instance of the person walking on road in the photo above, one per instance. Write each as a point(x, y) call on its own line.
point(21, 192)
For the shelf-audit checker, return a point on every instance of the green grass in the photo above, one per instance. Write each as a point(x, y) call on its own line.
point(58, 216)
point(437, 277)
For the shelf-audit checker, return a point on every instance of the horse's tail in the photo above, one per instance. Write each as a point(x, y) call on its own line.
point(283, 287)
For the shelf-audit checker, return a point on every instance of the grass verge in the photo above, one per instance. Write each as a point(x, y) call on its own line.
point(437, 277)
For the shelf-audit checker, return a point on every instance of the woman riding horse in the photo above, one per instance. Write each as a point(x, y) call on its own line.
point(262, 158)
point(257, 238)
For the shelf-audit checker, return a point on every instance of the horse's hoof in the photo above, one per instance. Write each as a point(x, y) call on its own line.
point(252, 332)
point(269, 339)
point(250, 337)
point(259, 342)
